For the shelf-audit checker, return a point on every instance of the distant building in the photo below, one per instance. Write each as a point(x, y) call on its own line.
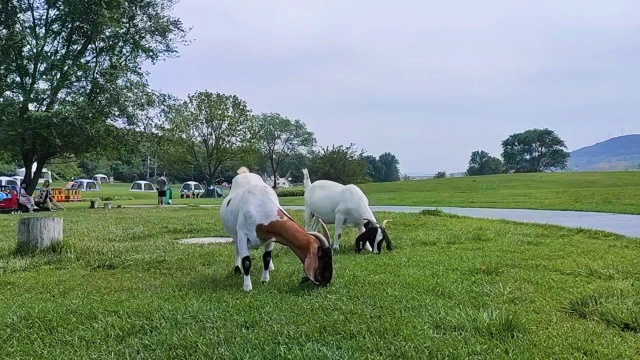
point(431, 176)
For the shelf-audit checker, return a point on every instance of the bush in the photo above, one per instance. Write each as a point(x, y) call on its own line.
point(440, 175)
point(114, 198)
point(290, 192)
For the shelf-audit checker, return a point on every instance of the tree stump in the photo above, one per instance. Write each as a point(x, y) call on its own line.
point(107, 205)
point(39, 232)
point(94, 204)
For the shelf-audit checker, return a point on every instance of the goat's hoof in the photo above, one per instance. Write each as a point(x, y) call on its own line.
point(236, 270)
point(247, 287)
point(265, 277)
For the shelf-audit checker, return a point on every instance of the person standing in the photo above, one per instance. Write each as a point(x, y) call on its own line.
point(162, 189)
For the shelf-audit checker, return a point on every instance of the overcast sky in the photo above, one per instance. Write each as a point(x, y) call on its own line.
point(428, 81)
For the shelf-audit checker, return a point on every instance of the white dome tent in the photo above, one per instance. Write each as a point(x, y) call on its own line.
point(101, 178)
point(141, 185)
point(46, 174)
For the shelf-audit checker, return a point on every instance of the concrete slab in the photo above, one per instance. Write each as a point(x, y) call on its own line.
point(206, 240)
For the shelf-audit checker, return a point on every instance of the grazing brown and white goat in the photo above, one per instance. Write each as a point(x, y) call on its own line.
point(251, 214)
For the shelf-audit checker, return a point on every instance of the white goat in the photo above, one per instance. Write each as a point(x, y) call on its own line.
point(251, 214)
point(334, 203)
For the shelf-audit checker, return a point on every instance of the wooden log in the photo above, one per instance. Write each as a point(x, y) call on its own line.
point(39, 232)
point(94, 204)
point(107, 205)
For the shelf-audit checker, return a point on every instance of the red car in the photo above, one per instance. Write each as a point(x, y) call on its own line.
point(9, 199)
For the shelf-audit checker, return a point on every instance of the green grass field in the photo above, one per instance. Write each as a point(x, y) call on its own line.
point(617, 192)
point(122, 287)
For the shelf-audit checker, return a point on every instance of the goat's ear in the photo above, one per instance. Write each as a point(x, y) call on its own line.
point(311, 264)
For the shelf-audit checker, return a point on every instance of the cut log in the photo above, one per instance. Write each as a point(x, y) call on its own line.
point(39, 232)
point(94, 204)
point(107, 205)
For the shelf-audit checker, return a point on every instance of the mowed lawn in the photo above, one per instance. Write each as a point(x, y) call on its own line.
point(122, 287)
point(617, 192)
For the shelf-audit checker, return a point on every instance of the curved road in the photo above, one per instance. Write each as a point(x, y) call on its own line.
point(623, 224)
point(628, 225)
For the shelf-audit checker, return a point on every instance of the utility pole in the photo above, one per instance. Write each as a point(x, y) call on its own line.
point(147, 166)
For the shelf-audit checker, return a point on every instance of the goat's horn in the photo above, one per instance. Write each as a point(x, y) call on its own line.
point(323, 242)
point(325, 231)
point(384, 223)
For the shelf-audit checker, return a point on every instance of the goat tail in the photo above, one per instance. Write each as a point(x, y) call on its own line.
point(243, 170)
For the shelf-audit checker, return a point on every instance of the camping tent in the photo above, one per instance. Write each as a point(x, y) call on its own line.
point(141, 185)
point(100, 178)
point(85, 185)
point(192, 187)
point(46, 174)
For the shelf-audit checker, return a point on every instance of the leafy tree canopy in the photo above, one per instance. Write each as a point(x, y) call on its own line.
point(385, 168)
point(342, 164)
point(214, 128)
point(481, 163)
point(279, 138)
point(534, 150)
point(69, 68)
point(390, 164)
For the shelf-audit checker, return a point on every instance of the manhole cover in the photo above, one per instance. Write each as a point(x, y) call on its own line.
point(206, 240)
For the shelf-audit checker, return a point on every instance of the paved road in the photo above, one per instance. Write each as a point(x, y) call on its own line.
point(628, 225)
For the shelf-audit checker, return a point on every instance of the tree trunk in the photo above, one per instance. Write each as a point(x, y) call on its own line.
point(39, 232)
point(29, 179)
point(275, 174)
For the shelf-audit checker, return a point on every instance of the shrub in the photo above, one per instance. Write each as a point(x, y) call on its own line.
point(113, 198)
point(290, 192)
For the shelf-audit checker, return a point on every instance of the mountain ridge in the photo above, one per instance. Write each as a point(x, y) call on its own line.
point(618, 153)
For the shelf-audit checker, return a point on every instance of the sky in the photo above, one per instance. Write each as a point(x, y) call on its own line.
point(427, 81)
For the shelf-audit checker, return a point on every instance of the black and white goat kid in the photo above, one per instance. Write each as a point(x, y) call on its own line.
point(375, 236)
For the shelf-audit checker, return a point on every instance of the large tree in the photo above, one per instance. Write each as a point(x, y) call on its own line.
point(70, 68)
point(481, 163)
point(280, 137)
point(214, 128)
point(375, 171)
point(390, 164)
point(534, 150)
point(342, 164)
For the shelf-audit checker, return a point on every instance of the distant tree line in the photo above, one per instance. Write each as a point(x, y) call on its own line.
point(534, 150)
point(74, 97)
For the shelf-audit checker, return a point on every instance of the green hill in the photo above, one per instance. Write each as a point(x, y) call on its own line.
point(615, 191)
point(619, 153)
